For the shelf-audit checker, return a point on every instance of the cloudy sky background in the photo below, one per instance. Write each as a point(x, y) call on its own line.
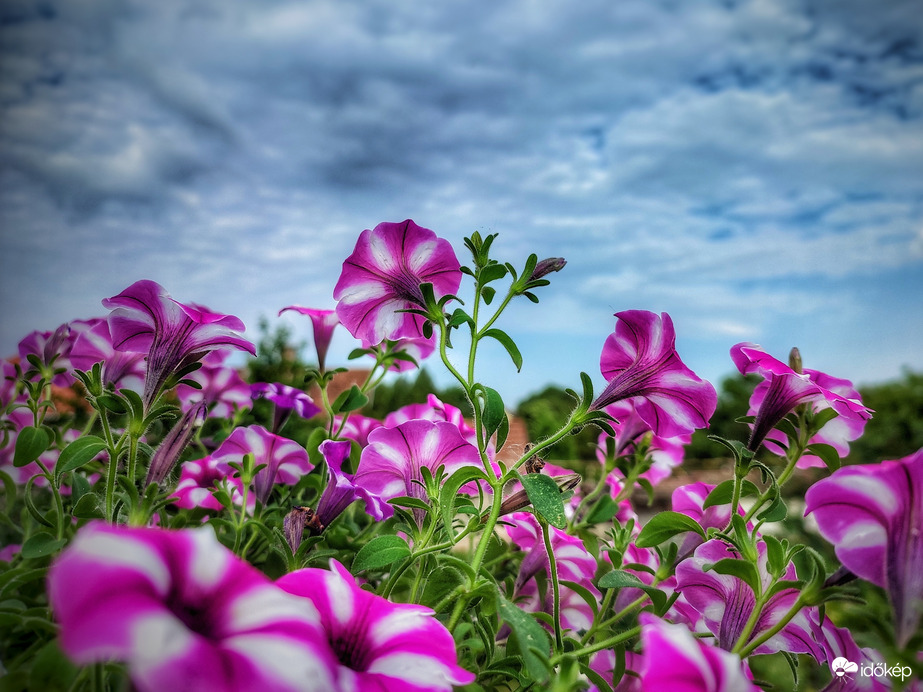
point(754, 168)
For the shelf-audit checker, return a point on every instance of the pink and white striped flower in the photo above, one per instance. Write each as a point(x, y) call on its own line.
point(382, 277)
point(726, 602)
point(391, 464)
point(786, 389)
point(198, 480)
point(574, 563)
point(675, 661)
point(380, 646)
point(52, 349)
point(286, 460)
point(93, 344)
point(145, 319)
point(873, 515)
point(356, 428)
point(184, 613)
point(341, 489)
point(223, 389)
point(323, 322)
point(433, 410)
point(640, 363)
point(690, 500)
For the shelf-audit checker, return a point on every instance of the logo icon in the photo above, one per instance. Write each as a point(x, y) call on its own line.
point(841, 667)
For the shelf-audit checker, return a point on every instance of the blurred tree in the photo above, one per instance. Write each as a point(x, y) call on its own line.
point(277, 358)
point(896, 427)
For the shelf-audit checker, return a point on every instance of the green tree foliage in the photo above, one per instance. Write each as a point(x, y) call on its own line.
point(277, 358)
point(543, 413)
point(896, 427)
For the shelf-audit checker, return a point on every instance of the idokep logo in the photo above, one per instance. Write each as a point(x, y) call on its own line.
point(841, 667)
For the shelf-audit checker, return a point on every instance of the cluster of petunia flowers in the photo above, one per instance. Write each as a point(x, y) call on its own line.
point(181, 610)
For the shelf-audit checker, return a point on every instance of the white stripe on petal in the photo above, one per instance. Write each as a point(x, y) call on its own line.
point(864, 534)
point(397, 623)
point(873, 488)
point(157, 639)
point(262, 606)
point(341, 597)
point(124, 551)
point(414, 668)
point(381, 254)
point(289, 661)
point(421, 255)
point(362, 292)
point(209, 559)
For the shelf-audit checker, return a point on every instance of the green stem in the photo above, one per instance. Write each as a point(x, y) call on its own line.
point(599, 646)
point(746, 650)
point(555, 588)
point(58, 503)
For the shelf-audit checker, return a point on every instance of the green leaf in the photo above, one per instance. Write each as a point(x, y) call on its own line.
point(508, 344)
point(88, 507)
point(380, 552)
point(41, 544)
point(492, 272)
point(620, 579)
point(350, 400)
point(78, 453)
point(826, 453)
point(530, 638)
point(449, 492)
point(724, 493)
point(545, 497)
point(664, 526)
point(494, 411)
point(411, 502)
point(30, 444)
point(604, 510)
point(741, 569)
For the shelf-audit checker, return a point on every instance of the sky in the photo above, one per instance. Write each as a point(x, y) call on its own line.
point(752, 168)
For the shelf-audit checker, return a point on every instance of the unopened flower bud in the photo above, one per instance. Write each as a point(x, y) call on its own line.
point(794, 361)
point(294, 524)
point(547, 266)
point(171, 449)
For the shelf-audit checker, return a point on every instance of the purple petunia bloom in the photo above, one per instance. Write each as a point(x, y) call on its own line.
point(145, 319)
point(873, 515)
point(285, 399)
point(52, 349)
point(382, 277)
point(223, 389)
point(675, 661)
point(286, 460)
point(342, 490)
point(198, 480)
point(380, 646)
point(391, 464)
point(433, 410)
point(787, 389)
point(640, 363)
point(727, 602)
point(93, 344)
point(574, 563)
point(690, 500)
point(841, 649)
point(184, 613)
point(323, 322)
point(356, 427)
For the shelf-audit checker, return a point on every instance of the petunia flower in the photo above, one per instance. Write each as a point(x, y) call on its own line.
point(285, 400)
point(53, 351)
point(286, 460)
point(640, 363)
point(433, 410)
point(198, 480)
point(145, 319)
point(223, 389)
point(356, 428)
point(727, 602)
point(380, 646)
point(690, 500)
point(666, 453)
point(323, 322)
point(574, 563)
point(841, 650)
point(873, 515)
point(675, 661)
point(787, 389)
point(341, 489)
point(184, 613)
point(382, 278)
point(391, 464)
point(93, 344)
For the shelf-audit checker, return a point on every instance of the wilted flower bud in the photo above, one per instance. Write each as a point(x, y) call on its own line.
point(171, 449)
point(794, 361)
point(294, 524)
point(547, 266)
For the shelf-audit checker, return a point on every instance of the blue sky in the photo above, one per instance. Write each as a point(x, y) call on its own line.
point(755, 169)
